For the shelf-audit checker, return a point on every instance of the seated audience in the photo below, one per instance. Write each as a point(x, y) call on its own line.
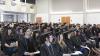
point(51, 39)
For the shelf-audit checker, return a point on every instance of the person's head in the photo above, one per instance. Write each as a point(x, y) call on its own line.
point(45, 30)
point(94, 25)
point(20, 31)
point(35, 34)
point(73, 33)
point(49, 38)
point(48, 28)
point(28, 32)
point(61, 38)
point(99, 34)
point(61, 41)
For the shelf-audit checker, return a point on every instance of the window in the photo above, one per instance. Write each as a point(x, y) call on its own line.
point(29, 1)
point(2, 1)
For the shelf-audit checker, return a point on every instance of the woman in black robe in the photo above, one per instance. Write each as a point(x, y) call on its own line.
point(64, 47)
point(76, 41)
point(9, 43)
point(27, 44)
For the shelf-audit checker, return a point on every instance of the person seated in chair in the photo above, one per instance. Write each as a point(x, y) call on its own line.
point(48, 48)
point(27, 44)
point(9, 43)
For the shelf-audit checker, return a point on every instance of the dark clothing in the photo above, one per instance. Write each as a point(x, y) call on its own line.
point(51, 50)
point(8, 40)
point(94, 30)
point(97, 30)
point(97, 39)
point(0, 36)
point(83, 37)
point(65, 49)
point(88, 33)
point(85, 51)
point(76, 42)
point(27, 45)
point(70, 45)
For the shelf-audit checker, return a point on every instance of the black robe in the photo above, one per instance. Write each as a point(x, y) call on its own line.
point(8, 40)
point(76, 42)
point(27, 45)
point(51, 50)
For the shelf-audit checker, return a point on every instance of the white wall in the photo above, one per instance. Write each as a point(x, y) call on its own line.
point(93, 4)
point(42, 6)
point(93, 18)
point(44, 17)
point(67, 5)
point(42, 10)
point(75, 18)
point(69, 8)
point(45, 9)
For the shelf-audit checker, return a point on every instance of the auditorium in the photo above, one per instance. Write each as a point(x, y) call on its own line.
point(49, 27)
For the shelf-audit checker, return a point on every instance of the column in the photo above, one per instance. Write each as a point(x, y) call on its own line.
point(84, 12)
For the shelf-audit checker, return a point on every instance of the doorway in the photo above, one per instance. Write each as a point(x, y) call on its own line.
point(38, 19)
point(65, 19)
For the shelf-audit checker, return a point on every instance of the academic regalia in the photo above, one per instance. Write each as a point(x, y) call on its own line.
point(97, 39)
point(27, 45)
point(51, 50)
point(64, 50)
point(94, 30)
point(76, 42)
point(83, 37)
point(69, 45)
point(9, 50)
point(97, 31)
point(64, 30)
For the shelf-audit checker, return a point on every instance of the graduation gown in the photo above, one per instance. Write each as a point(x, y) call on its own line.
point(8, 40)
point(51, 50)
point(27, 45)
point(76, 42)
